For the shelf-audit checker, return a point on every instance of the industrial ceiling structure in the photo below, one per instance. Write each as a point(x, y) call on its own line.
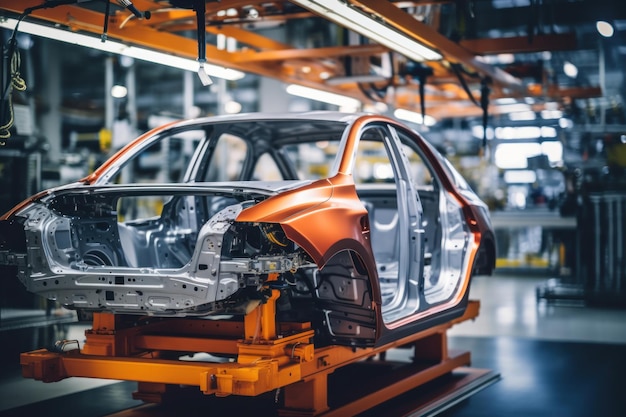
point(471, 53)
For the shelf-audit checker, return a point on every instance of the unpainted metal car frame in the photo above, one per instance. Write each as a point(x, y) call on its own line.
point(366, 230)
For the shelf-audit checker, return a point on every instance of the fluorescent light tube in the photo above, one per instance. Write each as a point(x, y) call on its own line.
point(349, 17)
point(522, 116)
point(369, 78)
point(605, 29)
point(414, 117)
point(522, 176)
point(121, 49)
point(323, 96)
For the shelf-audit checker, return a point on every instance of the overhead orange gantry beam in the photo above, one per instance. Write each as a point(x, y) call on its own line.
point(468, 52)
point(429, 36)
point(140, 32)
point(167, 30)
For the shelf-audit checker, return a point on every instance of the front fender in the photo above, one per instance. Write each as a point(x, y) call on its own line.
point(318, 217)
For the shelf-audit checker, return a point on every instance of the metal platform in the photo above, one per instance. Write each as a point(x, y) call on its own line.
point(282, 364)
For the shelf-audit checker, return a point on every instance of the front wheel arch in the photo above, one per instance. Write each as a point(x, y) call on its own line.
point(345, 294)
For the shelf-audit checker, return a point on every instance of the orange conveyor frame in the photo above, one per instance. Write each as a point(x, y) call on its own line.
point(269, 356)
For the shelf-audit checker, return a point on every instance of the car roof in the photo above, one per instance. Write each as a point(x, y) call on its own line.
point(330, 116)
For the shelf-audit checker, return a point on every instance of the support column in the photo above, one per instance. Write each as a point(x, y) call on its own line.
point(109, 105)
point(272, 96)
point(51, 120)
point(306, 398)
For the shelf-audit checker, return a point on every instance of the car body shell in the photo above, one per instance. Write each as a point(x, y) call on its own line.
point(317, 235)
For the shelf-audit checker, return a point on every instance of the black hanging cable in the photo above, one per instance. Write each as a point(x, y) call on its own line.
point(484, 104)
point(532, 20)
point(380, 92)
point(11, 77)
point(457, 72)
point(105, 25)
point(376, 93)
point(200, 8)
point(484, 97)
point(417, 71)
point(373, 92)
point(367, 92)
point(11, 80)
point(422, 90)
point(422, 74)
point(131, 7)
point(10, 72)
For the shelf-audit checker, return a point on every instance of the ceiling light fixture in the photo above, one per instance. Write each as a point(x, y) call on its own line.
point(119, 91)
point(551, 114)
point(570, 69)
point(368, 78)
point(522, 116)
point(232, 107)
point(343, 14)
point(520, 176)
point(323, 96)
point(119, 48)
point(513, 108)
point(413, 117)
point(605, 29)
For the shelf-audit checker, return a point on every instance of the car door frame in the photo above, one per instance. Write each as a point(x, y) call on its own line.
point(410, 273)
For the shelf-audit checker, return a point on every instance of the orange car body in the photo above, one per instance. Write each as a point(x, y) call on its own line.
point(381, 244)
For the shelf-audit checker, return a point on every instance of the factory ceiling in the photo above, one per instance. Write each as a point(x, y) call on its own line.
point(483, 50)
